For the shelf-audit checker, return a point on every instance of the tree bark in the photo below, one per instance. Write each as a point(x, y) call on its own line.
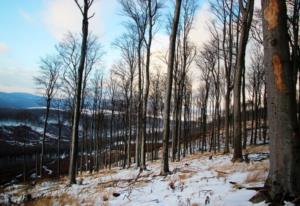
point(167, 101)
point(146, 94)
point(247, 14)
point(44, 135)
point(74, 142)
point(283, 178)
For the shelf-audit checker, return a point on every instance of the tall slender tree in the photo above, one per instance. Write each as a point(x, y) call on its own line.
point(127, 45)
point(247, 14)
point(153, 7)
point(167, 100)
point(137, 12)
point(84, 9)
point(47, 81)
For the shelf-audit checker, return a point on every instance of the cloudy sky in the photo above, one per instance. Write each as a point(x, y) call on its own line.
point(30, 29)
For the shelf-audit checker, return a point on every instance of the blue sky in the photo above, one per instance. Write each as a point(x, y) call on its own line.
point(22, 38)
point(31, 28)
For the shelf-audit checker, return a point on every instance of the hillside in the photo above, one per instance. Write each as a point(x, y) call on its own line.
point(19, 100)
point(199, 179)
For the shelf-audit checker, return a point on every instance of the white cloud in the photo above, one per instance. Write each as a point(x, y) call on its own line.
point(199, 35)
point(3, 48)
point(159, 48)
point(61, 16)
point(17, 79)
point(159, 51)
point(160, 41)
point(200, 32)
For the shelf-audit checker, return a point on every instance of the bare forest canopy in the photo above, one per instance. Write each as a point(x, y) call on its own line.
point(238, 88)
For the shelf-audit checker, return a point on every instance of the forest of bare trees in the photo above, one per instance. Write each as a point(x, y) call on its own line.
point(240, 88)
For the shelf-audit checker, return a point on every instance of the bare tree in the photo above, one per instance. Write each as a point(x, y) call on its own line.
point(74, 145)
point(124, 79)
point(226, 26)
point(58, 107)
point(137, 13)
point(47, 82)
point(69, 53)
point(127, 45)
point(112, 92)
point(247, 13)
point(155, 101)
point(97, 87)
point(185, 53)
point(206, 61)
point(167, 100)
point(153, 7)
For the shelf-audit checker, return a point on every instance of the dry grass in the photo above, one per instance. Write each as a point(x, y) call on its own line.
point(67, 199)
point(183, 177)
point(261, 166)
point(64, 199)
point(230, 167)
point(256, 176)
point(257, 149)
point(41, 201)
point(225, 167)
point(221, 174)
point(100, 173)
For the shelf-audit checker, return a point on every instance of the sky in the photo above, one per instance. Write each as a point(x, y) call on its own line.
point(30, 29)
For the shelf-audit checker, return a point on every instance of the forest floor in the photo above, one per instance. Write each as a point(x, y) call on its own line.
point(198, 179)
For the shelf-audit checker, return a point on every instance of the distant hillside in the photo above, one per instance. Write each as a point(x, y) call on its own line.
point(19, 100)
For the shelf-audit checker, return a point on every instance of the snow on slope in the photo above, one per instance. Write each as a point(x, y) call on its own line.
point(196, 180)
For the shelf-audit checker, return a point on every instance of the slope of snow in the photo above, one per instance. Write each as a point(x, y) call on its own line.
point(196, 180)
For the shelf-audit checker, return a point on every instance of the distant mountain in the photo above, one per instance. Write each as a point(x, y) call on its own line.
point(19, 100)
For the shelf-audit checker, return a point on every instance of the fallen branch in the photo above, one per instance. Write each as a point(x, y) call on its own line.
point(236, 185)
point(206, 178)
point(256, 188)
point(225, 173)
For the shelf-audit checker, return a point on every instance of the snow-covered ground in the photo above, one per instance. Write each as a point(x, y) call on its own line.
point(199, 179)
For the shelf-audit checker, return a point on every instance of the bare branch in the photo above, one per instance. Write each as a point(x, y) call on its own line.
point(79, 6)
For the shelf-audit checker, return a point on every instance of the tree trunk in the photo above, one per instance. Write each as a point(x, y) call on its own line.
point(139, 110)
point(228, 69)
point(244, 110)
point(167, 101)
point(44, 135)
point(58, 142)
point(283, 178)
point(111, 135)
point(75, 127)
point(227, 128)
point(129, 124)
point(247, 14)
point(265, 117)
